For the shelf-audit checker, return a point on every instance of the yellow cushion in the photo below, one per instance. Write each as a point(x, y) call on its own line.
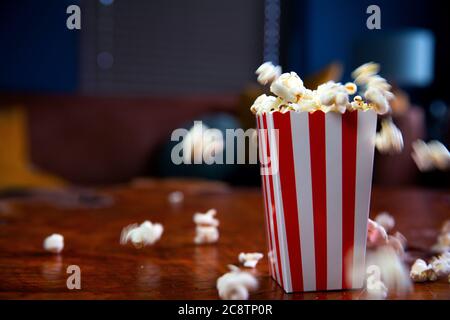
point(15, 166)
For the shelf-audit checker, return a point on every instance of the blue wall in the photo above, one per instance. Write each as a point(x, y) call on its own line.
point(37, 51)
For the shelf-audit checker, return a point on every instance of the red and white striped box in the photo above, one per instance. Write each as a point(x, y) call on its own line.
point(316, 171)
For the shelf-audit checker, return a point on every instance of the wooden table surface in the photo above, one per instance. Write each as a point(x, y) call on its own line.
point(174, 268)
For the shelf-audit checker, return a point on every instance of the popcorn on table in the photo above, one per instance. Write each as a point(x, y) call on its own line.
point(143, 235)
point(291, 94)
point(235, 284)
point(421, 272)
point(389, 139)
point(250, 260)
point(385, 220)
point(379, 291)
point(431, 155)
point(54, 243)
point(206, 230)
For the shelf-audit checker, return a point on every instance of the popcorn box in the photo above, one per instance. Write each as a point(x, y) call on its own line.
point(316, 171)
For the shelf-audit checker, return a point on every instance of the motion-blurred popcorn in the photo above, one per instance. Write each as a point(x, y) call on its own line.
point(376, 235)
point(206, 230)
point(235, 284)
point(393, 272)
point(250, 260)
point(288, 86)
point(377, 89)
point(421, 272)
point(389, 139)
point(175, 197)
point(385, 220)
point(377, 292)
point(431, 155)
point(268, 72)
point(140, 236)
point(443, 241)
point(54, 243)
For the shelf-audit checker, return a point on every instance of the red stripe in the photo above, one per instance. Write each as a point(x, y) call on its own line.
point(274, 216)
point(266, 205)
point(349, 141)
point(282, 122)
point(319, 194)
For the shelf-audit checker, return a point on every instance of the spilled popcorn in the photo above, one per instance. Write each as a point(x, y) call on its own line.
point(443, 240)
point(441, 264)
point(235, 284)
point(143, 235)
point(389, 139)
point(421, 272)
point(175, 197)
point(431, 155)
point(54, 243)
point(291, 94)
point(206, 230)
point(250, 260)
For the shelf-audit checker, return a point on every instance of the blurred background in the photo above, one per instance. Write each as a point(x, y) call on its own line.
point(97, 106)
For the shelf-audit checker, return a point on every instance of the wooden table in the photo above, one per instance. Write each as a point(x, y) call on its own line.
point(174, 268)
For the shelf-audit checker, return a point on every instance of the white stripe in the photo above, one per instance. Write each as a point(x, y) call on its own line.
point(264, 188)
point(302, 167)
point(333, 143)
point(367, 122)
point(279, 208)
point(269, 202)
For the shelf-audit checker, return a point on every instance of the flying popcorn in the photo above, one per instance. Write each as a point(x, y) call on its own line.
point(236, 284)
point(392, 270)
point(54, 243)
point(377, 89)
point(376, 235)
point(385, 220)
point(143, 235)
point(389, 139)
point(202, 141)
point(250, 260)
point(206, 230)
point(268, 72)
point(289, 87)
point(421, 272)
point(429, 156)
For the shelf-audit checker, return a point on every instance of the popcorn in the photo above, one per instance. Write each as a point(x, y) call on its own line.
point(389, 139)
point(250, 260)
point(54, 243)
point(268, 72)
point(421, 272)
point(392, 271)
point(235, 285)
point(266, 103)
point(428, 156)
point(175, 197)
point(385, 220)
point(441, 264)
point(288, 86)
point(331, 96)
point(376, 235)
point(206, 230)
point(140, 236)
point(443, 241)
point(378, 291)
point(398, 243)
